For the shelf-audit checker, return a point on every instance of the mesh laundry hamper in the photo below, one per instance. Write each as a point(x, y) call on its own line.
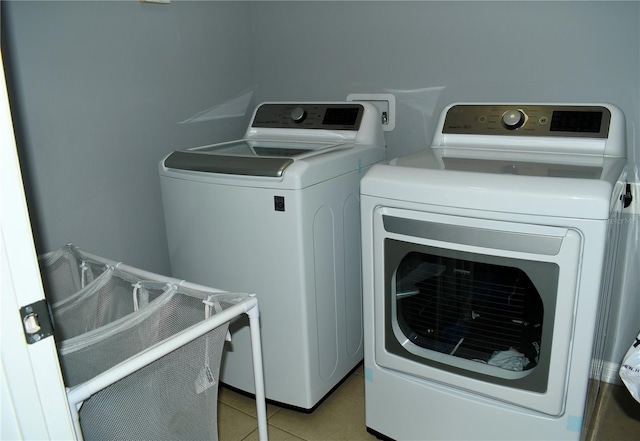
point(111, 296)
point(171, 398)
point(67, 270)
point(140, 352)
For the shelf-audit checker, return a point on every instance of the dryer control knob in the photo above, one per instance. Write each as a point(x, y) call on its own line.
point(298, 114)
point(513, 119)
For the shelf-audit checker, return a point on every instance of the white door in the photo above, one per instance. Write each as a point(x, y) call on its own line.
point(33, 397)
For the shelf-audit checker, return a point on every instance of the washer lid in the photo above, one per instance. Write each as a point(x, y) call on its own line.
point(249, 158)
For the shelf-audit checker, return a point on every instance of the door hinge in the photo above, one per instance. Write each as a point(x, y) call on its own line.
point(36, 321)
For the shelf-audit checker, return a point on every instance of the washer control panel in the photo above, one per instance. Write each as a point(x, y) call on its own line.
point(309, 116)
point(528, 120)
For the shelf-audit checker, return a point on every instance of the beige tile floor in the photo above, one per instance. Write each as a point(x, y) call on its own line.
point(341, 417)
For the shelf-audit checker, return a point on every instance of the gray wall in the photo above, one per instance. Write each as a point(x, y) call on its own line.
point(102, 87)
point(430, 54)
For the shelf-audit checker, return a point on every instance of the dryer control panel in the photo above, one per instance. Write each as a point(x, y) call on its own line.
point(309, 116)
point(528, 120)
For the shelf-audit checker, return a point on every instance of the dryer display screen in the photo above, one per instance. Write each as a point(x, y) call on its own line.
point(576, 121)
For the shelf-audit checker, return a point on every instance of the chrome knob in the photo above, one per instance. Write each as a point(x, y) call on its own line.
point(513, 119)
point(298, 114)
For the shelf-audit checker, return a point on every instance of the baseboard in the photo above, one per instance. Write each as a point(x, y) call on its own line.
point(610, 373)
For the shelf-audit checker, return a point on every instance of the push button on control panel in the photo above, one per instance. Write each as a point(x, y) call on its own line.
point(278, 203)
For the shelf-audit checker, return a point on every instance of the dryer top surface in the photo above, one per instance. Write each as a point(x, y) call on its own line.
point(542, 159)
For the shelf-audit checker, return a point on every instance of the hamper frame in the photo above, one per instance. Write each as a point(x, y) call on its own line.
point(76, 395)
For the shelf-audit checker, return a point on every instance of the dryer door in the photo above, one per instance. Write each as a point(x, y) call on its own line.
point(484, 306)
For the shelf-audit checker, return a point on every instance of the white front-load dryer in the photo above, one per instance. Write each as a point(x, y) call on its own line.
point(487, 263)
point(277, 213)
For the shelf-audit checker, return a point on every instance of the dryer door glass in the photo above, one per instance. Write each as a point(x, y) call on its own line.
point(483, 316)
point(479, 311)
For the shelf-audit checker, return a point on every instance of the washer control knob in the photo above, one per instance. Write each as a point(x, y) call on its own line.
point(298, 115)
point(513, 119)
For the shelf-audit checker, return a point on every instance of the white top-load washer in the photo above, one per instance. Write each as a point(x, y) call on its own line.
point(487, 268)
point(277, 213)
